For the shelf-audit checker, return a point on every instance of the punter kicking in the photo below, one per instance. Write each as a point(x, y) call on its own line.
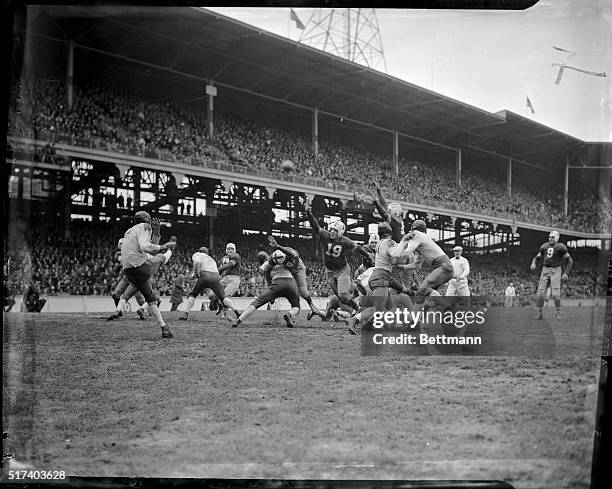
point(137, 263)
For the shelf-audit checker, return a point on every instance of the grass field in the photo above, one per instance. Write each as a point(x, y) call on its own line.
point(264, 401)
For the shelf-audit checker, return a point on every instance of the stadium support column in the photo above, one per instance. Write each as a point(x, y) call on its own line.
point(458, 167)
point(396, 152)
point(70, 73)
point(457, 225)
point(136, 178)
point(509, 177)
point(566, 187)
point(315, 132)
point(211, 93)
point(67, 204)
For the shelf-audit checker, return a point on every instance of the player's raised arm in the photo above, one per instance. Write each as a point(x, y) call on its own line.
point(381, 197)
point(290, 252)
point(313, 222)
point(155, 233)
point(381, 210)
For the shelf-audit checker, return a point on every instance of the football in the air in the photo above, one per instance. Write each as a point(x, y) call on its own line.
point(288, 165)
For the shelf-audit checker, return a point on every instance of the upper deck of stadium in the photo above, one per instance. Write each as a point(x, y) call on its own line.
point(190, 47)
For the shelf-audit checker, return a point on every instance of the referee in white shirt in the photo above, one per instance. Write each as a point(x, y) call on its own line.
point(458, 285)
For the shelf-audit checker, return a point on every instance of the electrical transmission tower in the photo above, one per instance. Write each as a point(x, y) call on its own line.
point(350, 33)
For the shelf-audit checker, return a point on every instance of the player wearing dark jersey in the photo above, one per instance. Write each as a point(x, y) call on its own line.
point(297, 268)
point(230, 274)
point(335, 249)
point(368, 254)
point(557, 264)
point(280, 284)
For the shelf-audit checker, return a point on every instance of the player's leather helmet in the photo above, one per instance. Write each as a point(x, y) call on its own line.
point(262, 256)
point(419, 225)
point(384, 229)
point(279, 257)
point(555, 235)
point(395, 209)
point(230, 248)
point(203, 249)
point(338, 226)
point(374, 239)
point(142, 216)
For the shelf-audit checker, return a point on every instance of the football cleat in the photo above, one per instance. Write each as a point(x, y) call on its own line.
point(184, 317)
point(113, 316)
point(539, 315)
point(234, 323)
point(141, 314)
point(558, 316)
point(288, 320)
point(166, 333)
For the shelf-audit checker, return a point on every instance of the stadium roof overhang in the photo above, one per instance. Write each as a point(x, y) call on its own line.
point(191, 46)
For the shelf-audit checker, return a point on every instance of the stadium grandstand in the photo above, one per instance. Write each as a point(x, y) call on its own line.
point(227, 132)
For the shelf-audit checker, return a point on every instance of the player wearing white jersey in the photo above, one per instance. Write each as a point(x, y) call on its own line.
point(206, 271)
point(417, 240)
point(458, 285)
point(137, 262)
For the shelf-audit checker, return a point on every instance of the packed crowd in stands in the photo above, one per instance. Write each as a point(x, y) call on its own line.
point(85, 264)
point(113, 121)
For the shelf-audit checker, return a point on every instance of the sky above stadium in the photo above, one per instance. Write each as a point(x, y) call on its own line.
point(495, 59)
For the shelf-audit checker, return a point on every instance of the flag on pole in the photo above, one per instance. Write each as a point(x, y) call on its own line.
point(530, 105)
point(296, 19)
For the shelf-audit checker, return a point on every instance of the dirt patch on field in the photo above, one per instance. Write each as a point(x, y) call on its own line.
point(262, 400)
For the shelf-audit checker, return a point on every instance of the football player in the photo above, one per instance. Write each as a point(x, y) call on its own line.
point(417, 240)
point(380, 278)
point(368, 254)
point(230, 274)
point(297, 268)
point(208, 277)
point(557, 264)
point(335, 249)
point(281, 284)
point(137, 263)
point(124, 283)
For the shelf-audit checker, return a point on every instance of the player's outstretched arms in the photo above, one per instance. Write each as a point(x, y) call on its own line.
point(379, 194)
point(313, 222)
point(287, 251)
